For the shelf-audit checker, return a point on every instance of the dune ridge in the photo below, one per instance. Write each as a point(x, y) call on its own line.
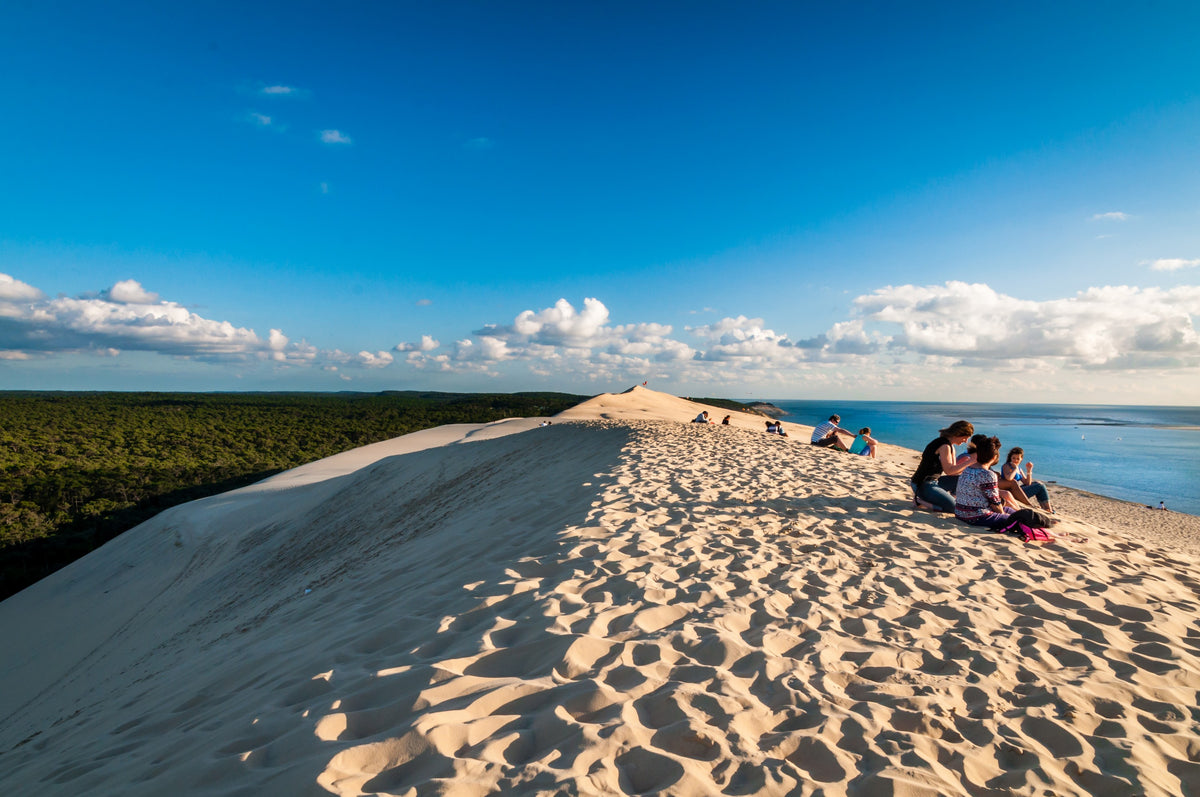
point(619, 603)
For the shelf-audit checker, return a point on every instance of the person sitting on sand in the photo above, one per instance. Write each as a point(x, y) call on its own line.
point(1010, 490)
point(775, 427)
point(864, 444)
point(979, 502)
point(937, 459)
point(1012, 470)
point(725, 420)
point(826, 434)
point(702, 418)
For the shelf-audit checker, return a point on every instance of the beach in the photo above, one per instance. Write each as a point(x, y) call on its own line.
point(621, 602)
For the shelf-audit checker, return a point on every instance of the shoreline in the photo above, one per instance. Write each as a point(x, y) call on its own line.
point(1139, 454)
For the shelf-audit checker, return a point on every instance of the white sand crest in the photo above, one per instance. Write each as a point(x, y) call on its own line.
point(620, 603)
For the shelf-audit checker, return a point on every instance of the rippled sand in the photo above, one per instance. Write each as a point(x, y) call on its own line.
point(619, 603)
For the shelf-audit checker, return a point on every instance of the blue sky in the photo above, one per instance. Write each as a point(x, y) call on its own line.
point(872, 200)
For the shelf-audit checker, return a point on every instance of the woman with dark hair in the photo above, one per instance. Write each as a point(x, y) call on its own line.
point(979, 501)
point(864, 444)
point(938, 458)
point(1012, 470)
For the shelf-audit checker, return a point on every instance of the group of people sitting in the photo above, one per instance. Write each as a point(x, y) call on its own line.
point(703, 418)
point(964, 484)
point(967, 486)
point(826, 436)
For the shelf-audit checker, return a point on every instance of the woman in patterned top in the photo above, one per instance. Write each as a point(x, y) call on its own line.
point(979, 501)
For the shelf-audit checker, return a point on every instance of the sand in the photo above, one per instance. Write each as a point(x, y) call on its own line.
point(619, 603)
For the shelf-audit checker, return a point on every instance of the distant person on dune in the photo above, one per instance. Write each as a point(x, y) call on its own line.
point(864, 444)
point(979, 501)
point(826, 434)
point(725, 420)
point(937, 459)
point(775, 427)
point(1012, 470)
point(702, 418)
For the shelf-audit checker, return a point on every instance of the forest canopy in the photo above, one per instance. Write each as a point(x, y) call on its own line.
point(77, 469)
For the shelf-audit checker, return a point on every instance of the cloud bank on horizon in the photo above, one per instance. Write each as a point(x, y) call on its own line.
point(897, 332)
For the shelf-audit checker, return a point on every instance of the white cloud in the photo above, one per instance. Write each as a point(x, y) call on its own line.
point(334, 137)
point(260, 119)
point(280, 91)
point(13, 290)
point(562, 322)
point(424, 302)
point(427, 344)
point(907, 339)
point(127, 317)
point(379, 359)
point(579, 342)
point(1107, 327)
point(1171, 263)
point(130, 292)
point(1112, 215)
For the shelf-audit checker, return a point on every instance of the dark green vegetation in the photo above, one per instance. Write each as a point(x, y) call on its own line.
point(727, 404)
point(77, 469)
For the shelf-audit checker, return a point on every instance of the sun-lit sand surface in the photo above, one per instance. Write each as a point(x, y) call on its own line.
point(619, 603)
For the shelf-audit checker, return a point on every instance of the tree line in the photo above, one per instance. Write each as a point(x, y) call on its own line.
point(77, 469)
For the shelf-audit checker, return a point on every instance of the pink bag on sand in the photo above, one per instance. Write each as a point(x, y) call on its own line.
point(1034, 535)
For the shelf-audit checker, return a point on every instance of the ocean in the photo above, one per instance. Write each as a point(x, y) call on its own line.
point(1140, 454)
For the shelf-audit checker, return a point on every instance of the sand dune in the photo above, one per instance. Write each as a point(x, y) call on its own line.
point(619, 603)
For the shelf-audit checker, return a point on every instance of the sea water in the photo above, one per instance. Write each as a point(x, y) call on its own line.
point(1140, 454)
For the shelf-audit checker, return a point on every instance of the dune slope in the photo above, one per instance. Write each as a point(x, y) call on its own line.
point(615, 604)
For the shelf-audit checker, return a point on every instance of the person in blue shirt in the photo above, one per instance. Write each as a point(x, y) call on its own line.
point(1024, 478)
point(864, 445)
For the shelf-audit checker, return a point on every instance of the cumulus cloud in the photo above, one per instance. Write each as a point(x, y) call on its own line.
point(896, 334)
point(14, 291)
point(562, 323)
point(334, 137)
point(566, 339)
point(127, 317)
point(379, 359)
point(427, 343)
point(1112, 215)
point(744, 339)
point(130, 292)
point(1106, 327)
point(750, 341)
point(1171, 263)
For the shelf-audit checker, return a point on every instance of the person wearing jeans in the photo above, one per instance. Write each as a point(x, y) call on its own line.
point(938, 458)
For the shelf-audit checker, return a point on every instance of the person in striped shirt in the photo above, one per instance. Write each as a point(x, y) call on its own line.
point(826, 434)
